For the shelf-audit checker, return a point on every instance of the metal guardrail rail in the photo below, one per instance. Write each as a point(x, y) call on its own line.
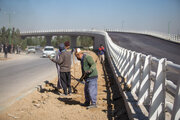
point(147, 77)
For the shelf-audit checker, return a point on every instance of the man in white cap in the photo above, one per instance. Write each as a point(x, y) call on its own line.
point(88, 67)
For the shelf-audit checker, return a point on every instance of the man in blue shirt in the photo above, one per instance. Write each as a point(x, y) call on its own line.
point(101, 52)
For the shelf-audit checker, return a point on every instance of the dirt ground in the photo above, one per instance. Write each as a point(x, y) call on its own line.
point(46, 103)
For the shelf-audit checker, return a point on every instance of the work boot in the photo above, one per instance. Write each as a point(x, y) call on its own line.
point(85, 104)
point(91, 106)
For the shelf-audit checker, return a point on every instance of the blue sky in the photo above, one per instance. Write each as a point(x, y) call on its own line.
point(153, 15)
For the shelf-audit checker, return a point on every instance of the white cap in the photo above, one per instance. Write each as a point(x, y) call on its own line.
point(78, 50)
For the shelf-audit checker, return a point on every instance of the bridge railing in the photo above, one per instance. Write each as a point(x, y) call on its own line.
point(149, 79)
point(169, 37)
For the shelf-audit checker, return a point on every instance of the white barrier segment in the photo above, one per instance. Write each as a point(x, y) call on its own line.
point(116, 55)
point(126, 65)
point(144, 89)
point(123, 62)
point(116, 58)
point(113, 59)
point(122, 59)
point(171, 86)
point(131, 69)
point(169, 107)
point(176, 106)
point(137, 74)
point(173, 68)
point(157, 107)
point(153, 75)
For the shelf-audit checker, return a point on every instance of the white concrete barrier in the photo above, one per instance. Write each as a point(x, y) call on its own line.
point(139, 76)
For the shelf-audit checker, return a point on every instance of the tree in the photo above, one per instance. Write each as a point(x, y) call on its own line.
point(3, 35)
point(84, 41)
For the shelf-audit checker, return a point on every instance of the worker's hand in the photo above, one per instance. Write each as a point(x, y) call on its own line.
point(80, 80)
point(50, 57)
point(82, 77)
point(87, 72)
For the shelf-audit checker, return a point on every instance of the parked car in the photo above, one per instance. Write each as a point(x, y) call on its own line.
point(48, 51)
point(31, 49)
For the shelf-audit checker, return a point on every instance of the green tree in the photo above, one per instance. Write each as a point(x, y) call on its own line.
point(43, 41)
point(84, 41)
point(3, 35)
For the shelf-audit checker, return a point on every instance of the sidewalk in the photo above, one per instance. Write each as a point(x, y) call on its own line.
point(11, 56)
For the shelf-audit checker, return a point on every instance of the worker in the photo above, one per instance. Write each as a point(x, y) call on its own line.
point(88, 67)
point(64, 62)
point(101, 52)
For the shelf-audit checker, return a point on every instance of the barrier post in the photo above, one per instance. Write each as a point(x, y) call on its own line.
point(176, 106)
point(137, 74)
point(131, 69)
point(144, 89)
point(157, 107)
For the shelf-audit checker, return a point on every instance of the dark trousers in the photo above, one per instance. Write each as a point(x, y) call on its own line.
point(66, 82)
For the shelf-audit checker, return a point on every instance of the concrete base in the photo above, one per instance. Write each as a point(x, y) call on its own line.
point(135, 111)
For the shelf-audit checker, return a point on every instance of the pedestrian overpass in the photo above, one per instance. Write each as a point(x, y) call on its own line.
point(142, 79)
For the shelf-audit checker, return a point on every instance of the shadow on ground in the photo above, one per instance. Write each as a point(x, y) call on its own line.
point(50, 87)
point(115, 109)
point(69, 101)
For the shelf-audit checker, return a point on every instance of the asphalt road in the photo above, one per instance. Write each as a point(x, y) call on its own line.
point(148, 45)
point(20, 76)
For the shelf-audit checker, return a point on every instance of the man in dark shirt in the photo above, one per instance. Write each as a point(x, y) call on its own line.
point(5, 49)
point(64, 62)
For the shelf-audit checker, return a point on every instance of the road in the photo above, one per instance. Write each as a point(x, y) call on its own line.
point(17, 77)
point(148, 45)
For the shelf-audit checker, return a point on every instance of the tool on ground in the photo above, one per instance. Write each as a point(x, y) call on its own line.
point(79, 81)
point(82, 82)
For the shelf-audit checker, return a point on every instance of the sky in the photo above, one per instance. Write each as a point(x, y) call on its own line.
point(138, 15)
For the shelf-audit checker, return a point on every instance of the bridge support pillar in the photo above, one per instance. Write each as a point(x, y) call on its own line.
point(48, 40)
point(73, 41)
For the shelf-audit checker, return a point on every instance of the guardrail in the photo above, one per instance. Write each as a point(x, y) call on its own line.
point(170, 37)
point(147, 78)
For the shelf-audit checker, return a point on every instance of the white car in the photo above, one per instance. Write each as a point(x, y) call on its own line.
point(49, 51)
point(31, 49)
